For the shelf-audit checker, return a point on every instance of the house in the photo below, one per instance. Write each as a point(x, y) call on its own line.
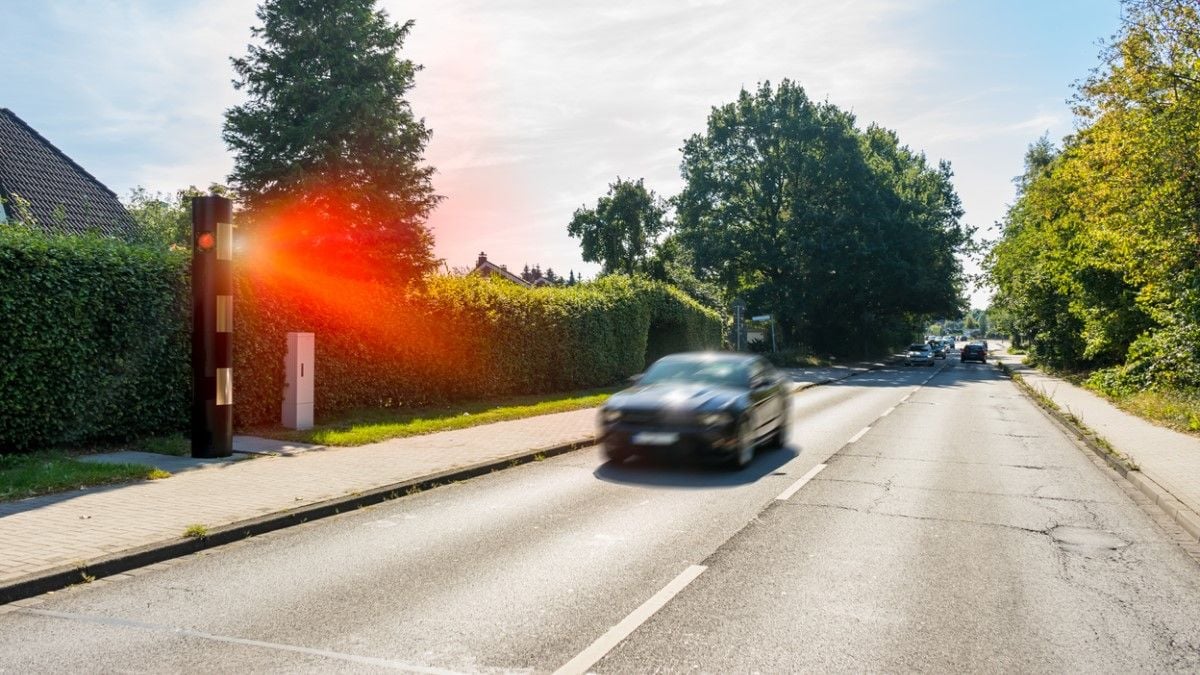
point(486, 268)
point(43, 187)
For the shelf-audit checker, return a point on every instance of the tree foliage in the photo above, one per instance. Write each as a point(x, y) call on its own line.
point(844, 234)
point(327, 136)
point(1097, 263)
point(620, 231)
point(165, 220)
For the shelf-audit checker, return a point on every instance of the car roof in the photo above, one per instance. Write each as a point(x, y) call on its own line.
point(711, 357)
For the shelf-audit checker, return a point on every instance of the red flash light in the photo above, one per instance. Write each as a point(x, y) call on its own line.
point(206, 241)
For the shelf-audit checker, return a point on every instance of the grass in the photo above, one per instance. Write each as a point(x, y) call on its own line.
point(195, 531)
point(39, 473)
point(175, 444)
point(1173, 409)
point(373, 425)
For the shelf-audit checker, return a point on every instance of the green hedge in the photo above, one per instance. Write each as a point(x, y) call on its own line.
point(93, 340)
point(458, 338)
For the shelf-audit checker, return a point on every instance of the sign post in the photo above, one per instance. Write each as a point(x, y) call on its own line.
point(771, 318)
point(212, 327)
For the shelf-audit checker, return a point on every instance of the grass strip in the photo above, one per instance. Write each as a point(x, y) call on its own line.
point(374, 425)
point(39, 473)
point(1178, 410)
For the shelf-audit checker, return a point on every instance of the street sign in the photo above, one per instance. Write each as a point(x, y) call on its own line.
point(761, 317)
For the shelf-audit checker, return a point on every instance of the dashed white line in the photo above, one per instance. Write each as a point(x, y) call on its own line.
point(888, 411)
point(786, 494)
point(861, 432)
point(604, 644)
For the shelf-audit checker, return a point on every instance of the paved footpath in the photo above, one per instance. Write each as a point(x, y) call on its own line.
point(1169, 459)
point(56, 534)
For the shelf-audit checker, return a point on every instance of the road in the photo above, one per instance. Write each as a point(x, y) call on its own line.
point(960, 529)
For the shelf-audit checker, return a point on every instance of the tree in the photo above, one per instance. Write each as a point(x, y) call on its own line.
point(621, 230)
point(327, 149)
point(165, 220)
point(837, 231)
point(1097, 262)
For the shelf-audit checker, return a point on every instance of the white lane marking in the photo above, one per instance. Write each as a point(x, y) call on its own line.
point(786, 494)
point(187, 632)
point(888, 411)
point(861, 432)
point(604, 644)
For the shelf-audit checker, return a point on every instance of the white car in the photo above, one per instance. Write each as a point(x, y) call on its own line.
point(919, 355)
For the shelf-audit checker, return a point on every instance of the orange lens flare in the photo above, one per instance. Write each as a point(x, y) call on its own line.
point(311, 254)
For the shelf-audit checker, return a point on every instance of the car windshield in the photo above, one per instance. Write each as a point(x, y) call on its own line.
point(725, 372)
point(917, 348)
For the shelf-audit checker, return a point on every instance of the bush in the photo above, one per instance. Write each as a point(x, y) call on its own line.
point(96, 345)
point(456, 338)
point(94, 340)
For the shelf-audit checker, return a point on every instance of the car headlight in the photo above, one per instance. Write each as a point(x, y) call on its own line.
point(609, 415)
point(715, 419)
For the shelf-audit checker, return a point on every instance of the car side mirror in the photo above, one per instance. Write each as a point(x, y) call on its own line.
point(634, 379)
point(758, 382)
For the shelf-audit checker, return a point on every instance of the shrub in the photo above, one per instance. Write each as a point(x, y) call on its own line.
point(457, 338)
point(94, 339)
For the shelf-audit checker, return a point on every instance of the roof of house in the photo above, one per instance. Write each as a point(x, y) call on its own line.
point(42, 186)
point(485, 267)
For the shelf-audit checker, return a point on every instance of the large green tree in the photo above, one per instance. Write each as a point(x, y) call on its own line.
point(847, 236)
point(620, 231)
point(1098, 260)
point(326, 138)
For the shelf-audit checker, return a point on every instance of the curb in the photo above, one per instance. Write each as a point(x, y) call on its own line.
point(103, 566)
point(1179, 512)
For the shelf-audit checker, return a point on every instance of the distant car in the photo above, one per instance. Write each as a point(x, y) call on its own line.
point(713, 406)
point(975, 351)
point(939, 349)
point(919, 355)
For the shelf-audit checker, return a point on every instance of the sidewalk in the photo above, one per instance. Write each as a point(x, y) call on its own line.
point(1170, 460)
point(51, 541)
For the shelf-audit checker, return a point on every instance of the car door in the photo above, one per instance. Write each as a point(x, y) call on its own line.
point(764, 397)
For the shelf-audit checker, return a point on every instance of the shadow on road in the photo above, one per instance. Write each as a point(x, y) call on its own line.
point(688, 474)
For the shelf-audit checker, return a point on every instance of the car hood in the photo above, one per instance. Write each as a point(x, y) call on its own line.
point(675, 396)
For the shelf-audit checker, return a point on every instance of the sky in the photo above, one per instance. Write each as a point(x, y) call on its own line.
point(536, 106)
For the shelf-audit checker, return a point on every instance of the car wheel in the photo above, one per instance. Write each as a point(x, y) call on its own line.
point(745, 446)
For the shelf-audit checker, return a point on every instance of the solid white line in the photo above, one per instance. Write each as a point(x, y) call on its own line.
point(786, 494)
point(596, 651)
point(888, 411)
point(862, 432)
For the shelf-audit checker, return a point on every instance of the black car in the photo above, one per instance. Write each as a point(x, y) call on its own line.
point(976, 351)
point(714, 406)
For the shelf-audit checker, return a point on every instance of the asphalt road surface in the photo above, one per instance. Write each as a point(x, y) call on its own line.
point(920, 519)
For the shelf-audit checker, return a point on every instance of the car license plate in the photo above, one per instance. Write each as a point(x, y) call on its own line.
point(654, 438)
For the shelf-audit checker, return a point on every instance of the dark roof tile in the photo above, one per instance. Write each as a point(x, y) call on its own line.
point(40, 183)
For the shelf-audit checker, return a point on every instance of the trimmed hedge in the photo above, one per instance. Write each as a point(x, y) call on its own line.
point(457, 338)
point(94, 343)
point(93, 339)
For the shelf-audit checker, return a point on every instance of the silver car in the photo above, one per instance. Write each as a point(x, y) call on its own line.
point(919, 355)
